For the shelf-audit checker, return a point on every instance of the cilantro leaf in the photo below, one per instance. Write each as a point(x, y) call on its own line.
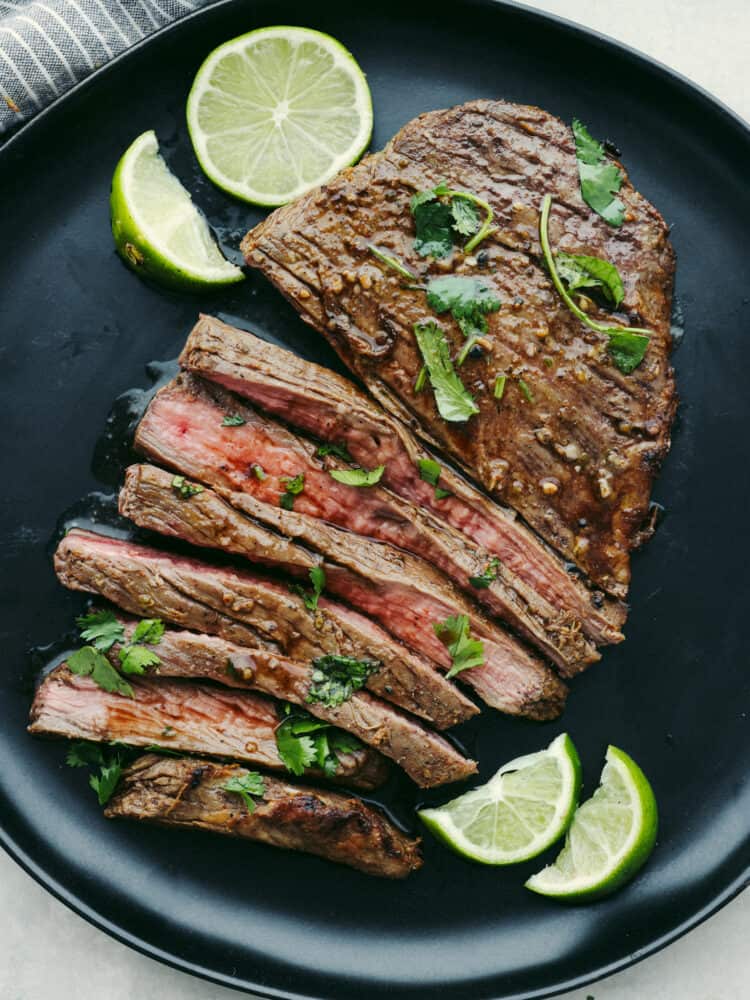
point(258, 471)
point(392, 262)
point(334, 678)
point(581, 271)
point(148, 630)
point(295, 749)
point(105, 783)
point(318, 580)
point(469, 300)
point(101, 629)
point(466, 219)
point(465, 651)
point(627, 344)
point(247, 785)
point(340, 450)
point(600, 179)
point(627, 349)
point(433, 223)
point(487, 576)
point(89, 662)
point(82, 753)
point(302, 740)
point(294, 486)
point(185, 489)
point(453, 401)
point(357, 477)
point(233, 420)
point(135, 659)
point(429, 472)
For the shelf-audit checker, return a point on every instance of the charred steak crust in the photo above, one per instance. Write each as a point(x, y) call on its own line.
point(190, 793)
point(598, 436)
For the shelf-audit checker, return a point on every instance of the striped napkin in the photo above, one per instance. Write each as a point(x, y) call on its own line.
point(46, 46)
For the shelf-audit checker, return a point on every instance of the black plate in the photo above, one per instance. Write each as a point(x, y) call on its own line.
point(77, 330)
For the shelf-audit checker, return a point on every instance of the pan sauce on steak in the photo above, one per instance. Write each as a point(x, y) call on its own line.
point(578, 457)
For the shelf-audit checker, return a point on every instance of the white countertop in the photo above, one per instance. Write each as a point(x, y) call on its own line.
point(49, 953)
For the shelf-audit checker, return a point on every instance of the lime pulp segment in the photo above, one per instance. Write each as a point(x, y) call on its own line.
point(278, 111)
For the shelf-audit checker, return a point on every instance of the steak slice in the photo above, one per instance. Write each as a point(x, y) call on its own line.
point(182, 429)
point(198, 718)
point(577, 458)
point(332, 409)
point(192, 794)
point(405, 594)
point(426, 757)
point(252, 611)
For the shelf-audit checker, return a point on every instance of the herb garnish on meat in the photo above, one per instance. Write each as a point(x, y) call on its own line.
point(627, 344)
point(487, 576)
point(303, 741)
point(453, 400)
point(135, 657)
point(393, 262)
point(600, 178)
point(89, 662)
point(335, 678)
point(438, 222)
point(247, 785)
point(582, 271)
point(84, 754)
point(357, 477)
point(339, 450)
point(294, 486)
point(469, 300)
point(429, 472)
point(465, 651)
point(233, 420)
point(101, 629)
point(185, 489)
point(318, 580)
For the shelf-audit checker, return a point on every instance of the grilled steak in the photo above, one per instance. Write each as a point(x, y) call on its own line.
point(426, 757)
point(185, 717)
point(578, 457)
point(405, 594)
point(251, 611)
point(182, 428)
point(191, 793)
point(331, 408)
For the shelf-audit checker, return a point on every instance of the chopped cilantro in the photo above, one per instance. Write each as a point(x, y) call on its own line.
point(437, 222)
point(294, 486)
point(465, 651)
point(430, 472)
point(149, 630)
point(340, 450)
point(487, 576)
point(420, 379)
point(469, 300)
point(105, 783)
point(233, 420)
point(392, 262)
point(466, 219)
point(84, 754)
point(81, 753)
point(600, 178)
point(258, 471)
point(185, 489)
point(581, 271)
point(453, 401)
point(357, 477)
point(525, 391)
point(247, 785)
point(334, 678)
point(90, 662)
point(627, 344)
point(303, 741)
point(499, 388)
point(101, 629)
point(135, 659)
point(318, 580)
point(433, 223)
point(164, 751)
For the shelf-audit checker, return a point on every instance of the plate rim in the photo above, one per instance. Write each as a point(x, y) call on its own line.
point(71, 899)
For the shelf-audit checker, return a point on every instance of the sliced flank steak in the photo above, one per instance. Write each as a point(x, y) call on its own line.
point(573, 444)
point(192, 794)
point(252, 611)
point(183, 717)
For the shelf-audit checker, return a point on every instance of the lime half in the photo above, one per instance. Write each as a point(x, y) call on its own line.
point(523, 809)
point(610, 838)
point(278, 111)
point(158, 230)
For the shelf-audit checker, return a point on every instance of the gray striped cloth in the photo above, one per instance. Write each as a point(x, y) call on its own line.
point(46, 46)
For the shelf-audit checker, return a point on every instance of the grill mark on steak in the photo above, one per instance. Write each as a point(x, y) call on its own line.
point(142, 580)
point(322, 403)
point(190, 794)
point(203, 720)
point(426, 757)
point(511, 156)
point(403, 593)
point(182, 429)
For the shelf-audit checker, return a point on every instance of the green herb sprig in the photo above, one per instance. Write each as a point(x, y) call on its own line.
point(294, 485)
point(465, 651)
point(185, 489)
point(110, 763)
point(453, 400)
point(469, 300)
point(600, 179)
point(430, 472)
point(627, 344)
point(437, 222)
point(357, 477)
point(318, 580)
point(304, 741)
point(334, 678)
point(248, 786)
point(488, 575)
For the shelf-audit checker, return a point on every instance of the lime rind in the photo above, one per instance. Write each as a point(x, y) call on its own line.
point(610, 838)
point(278, 111)
point(519, 813)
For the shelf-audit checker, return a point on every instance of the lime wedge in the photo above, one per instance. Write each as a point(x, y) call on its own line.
point(610, 838)
point(158, 230)
point(278, 111)
point(523, 809)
